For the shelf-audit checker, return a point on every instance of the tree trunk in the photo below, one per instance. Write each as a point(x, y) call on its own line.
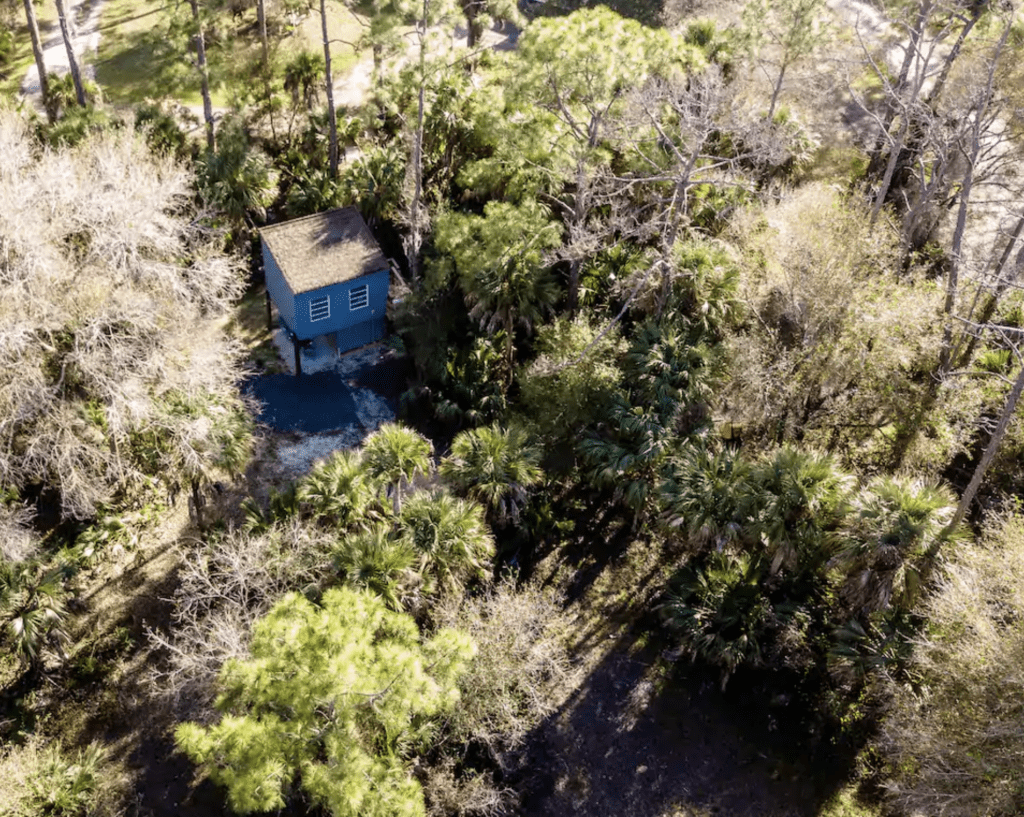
point(893, 108)
point(471, 9)
point(890, 169)
point(954, 52)
point(961, 218)
point(989, 309)
point(416, 207)
point(332, 114)
point(986, 459)
point(261, 20)
point(204, 76)
point(579, 215)
point(510, 347)
point(776, 92)
point(69, 46)
point(37, 52)
point(198, 502)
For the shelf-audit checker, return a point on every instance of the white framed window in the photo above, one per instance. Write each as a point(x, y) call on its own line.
point(359, 298)
point(320, 308)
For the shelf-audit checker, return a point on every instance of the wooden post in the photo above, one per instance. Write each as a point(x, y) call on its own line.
point(298, 355)
point(270, 317)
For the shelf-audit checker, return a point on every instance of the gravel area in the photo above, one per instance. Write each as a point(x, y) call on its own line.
point(345, 398)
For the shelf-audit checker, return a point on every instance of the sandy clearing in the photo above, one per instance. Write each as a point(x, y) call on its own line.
point(85, 38)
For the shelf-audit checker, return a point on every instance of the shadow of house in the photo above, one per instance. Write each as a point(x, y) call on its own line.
point(328, 279)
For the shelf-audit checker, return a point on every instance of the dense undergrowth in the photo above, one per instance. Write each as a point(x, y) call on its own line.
point(639, 313)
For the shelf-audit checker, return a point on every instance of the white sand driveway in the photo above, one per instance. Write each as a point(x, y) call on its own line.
point(85, 33)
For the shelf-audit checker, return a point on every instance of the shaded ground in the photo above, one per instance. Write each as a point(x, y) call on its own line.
point(642, 736)
point(629, 743)
point(354, 396)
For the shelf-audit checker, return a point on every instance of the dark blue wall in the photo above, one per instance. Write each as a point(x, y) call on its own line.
point(277, 286)
point(342, 318)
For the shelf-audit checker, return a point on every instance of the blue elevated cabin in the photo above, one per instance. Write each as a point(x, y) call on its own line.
point(327, 277)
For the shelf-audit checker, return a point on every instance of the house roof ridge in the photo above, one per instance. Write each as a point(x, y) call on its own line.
point(323, 249)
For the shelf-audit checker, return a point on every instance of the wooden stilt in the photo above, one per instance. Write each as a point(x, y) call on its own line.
point(298, 355)
point(270, 317)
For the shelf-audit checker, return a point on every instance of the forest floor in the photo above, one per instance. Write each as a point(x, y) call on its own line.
point(639, 736)
point(644, 736)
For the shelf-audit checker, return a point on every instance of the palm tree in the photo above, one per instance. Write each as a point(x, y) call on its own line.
point(792, 504)
point(890, 541)
point(301, 78)
point(339, 489)
point(500, 261)
point(669, 373)
point(495, 467)
point(31, 598)
point(376, 562)
point(508, 293)
point(702, 494)
point(37, 52)
point(394, 453)
point(720, 612)
point(450, 538)
point(626, 454)
point(236, 177)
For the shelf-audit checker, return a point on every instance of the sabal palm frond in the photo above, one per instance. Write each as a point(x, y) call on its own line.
point(494, 466)
point(450, 537)
point(889, 540)
point(702, 495)
point(792, 504)
point(339, 489)
point(376, 562)
point(302, 77)
point(32, 600)
point(720, 611)
point(393, 453)
point(670, 374)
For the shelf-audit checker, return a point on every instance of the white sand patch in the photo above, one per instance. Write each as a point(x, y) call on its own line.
point(296, 458)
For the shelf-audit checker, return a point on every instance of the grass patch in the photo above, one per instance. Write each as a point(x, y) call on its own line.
point(145, 54)
point(21, 58)
point(248, 325)
point(831, 163)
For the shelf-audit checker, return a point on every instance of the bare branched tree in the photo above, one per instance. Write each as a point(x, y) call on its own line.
point(111, 366)
point(225, 586)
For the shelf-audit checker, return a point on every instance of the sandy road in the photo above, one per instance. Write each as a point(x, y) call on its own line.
point(85, 34)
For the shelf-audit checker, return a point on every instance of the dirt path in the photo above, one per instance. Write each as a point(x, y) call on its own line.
point(84, 20)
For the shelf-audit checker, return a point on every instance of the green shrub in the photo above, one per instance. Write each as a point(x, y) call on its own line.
point(47, 781)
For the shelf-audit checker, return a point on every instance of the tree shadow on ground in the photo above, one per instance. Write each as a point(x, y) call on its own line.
point(601, 533)
point(638, 739)
point(106, 691)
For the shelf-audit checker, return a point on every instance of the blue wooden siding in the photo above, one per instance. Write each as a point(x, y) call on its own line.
point(360, 334)
point(280, 293)
point(354, 327)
